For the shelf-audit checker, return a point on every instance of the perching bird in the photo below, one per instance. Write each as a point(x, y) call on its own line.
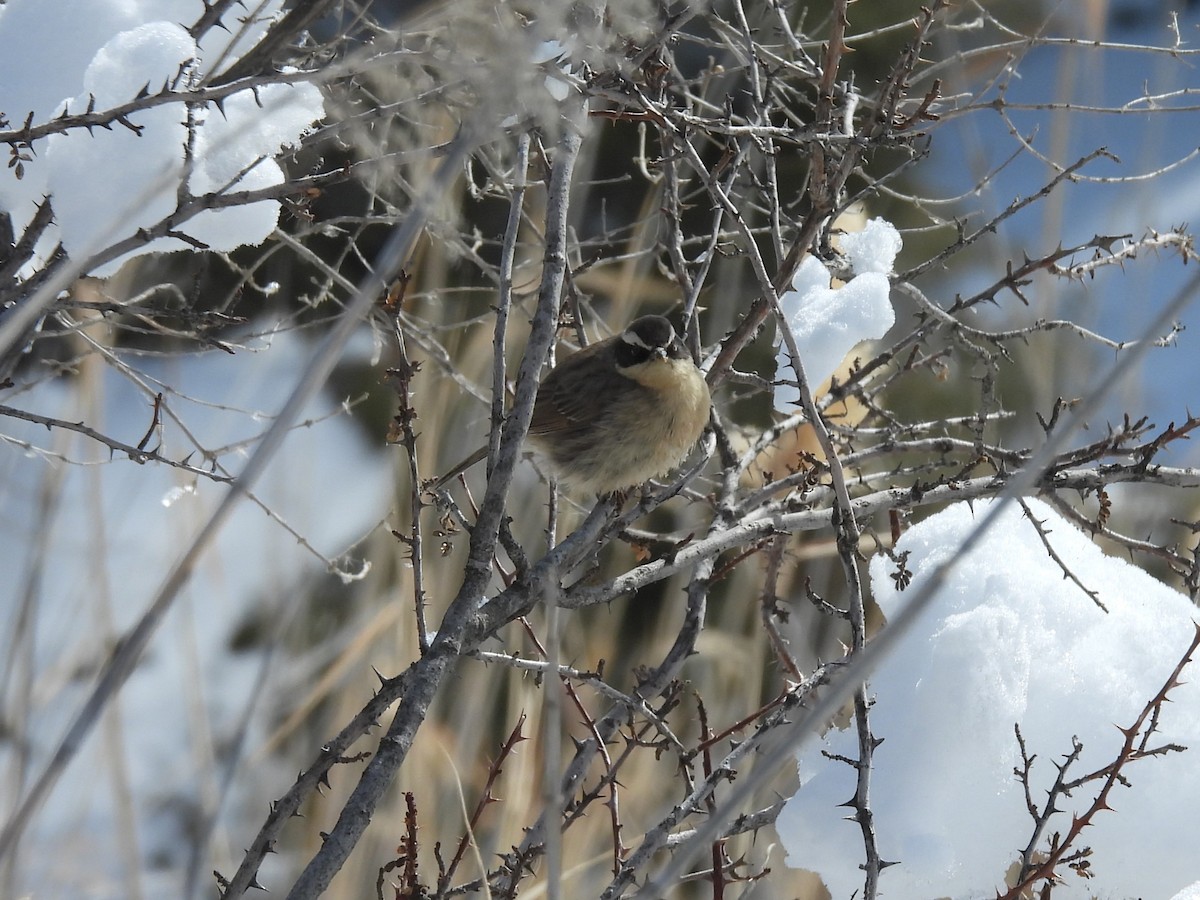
point(618, 412)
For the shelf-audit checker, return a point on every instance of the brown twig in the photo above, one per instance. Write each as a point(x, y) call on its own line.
point(1110, 776)
point(486, 798)
point(402, 432)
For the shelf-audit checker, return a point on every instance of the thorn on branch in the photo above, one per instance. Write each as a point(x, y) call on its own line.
point(155, 423)
point(136, 129)
point(821, 603)
point(1059, 406)
point(196, 243)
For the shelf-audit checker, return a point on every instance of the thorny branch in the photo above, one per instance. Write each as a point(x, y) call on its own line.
point(1064, 847)
point(402, 432)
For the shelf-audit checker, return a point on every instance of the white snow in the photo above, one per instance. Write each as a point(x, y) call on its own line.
point(106, 183)
point(1010, 641)
point(874, 249)
point(137, 188)
point(829, 322)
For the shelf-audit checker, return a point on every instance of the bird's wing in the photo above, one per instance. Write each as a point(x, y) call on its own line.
point(569, 397)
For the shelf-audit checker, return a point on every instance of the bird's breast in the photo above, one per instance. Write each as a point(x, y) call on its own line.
point(675, 407)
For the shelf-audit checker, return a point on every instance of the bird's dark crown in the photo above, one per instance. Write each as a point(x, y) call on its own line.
point(646, 338)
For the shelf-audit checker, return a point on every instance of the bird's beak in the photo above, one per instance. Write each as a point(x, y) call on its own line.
point(661, 353)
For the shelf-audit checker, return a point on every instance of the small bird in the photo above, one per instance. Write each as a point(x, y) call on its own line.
point(618, 412)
